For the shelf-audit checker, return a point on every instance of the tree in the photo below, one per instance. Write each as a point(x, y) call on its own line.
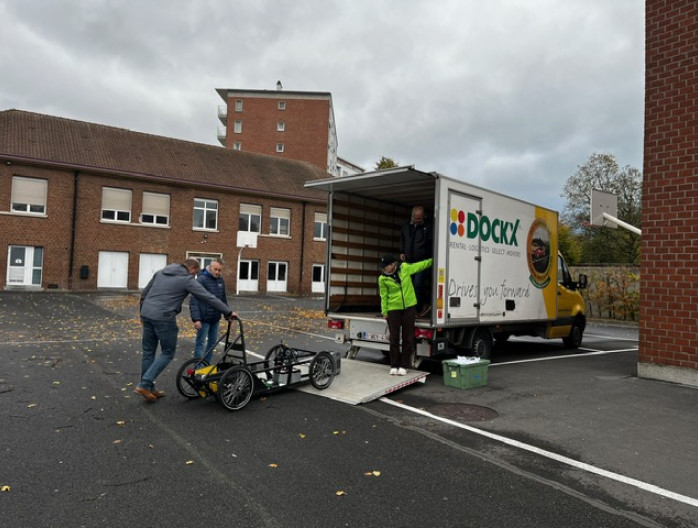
point(569, 245)
point(605, 245)
point(385, 163)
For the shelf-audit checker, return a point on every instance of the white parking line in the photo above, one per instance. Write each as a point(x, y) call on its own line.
point(589, 352)
point(651, 488)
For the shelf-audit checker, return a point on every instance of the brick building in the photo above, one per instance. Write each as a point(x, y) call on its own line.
point(669, 271)
point(292, 125)
point(86, 206)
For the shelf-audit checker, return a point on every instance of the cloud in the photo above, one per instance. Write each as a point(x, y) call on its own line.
point(508, 94)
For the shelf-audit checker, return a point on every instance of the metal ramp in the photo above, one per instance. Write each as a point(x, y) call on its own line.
point(362, 382)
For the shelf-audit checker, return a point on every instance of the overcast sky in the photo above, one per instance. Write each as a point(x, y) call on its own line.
point(511, 95)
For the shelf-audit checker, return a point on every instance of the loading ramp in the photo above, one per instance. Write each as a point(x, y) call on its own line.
point(361, 382)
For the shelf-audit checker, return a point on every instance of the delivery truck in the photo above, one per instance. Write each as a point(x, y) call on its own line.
point(496, 273)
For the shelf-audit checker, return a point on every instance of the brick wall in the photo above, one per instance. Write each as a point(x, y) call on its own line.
point(53, 232)
point(306, 122)
point(669, 272)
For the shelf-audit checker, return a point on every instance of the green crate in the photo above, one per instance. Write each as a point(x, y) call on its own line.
point(465, 376)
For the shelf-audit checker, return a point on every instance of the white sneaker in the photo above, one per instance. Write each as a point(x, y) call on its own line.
point(401, 372)
point(393, 371)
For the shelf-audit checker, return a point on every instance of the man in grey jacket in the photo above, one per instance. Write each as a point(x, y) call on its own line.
point(161, 301)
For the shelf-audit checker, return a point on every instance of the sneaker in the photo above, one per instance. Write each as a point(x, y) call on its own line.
point(401, 372)
point(393, 371)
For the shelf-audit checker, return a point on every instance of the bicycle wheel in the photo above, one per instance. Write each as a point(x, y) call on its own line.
point(235, 387)
point(186, 383)
point(322, 370)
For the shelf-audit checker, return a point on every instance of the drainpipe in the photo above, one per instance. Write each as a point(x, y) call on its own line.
point(300, 282)
point(71, 257)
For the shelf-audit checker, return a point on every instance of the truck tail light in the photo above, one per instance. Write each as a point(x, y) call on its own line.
point(423, 333)
point(336, 324)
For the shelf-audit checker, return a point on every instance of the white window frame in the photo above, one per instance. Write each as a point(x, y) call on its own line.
point(156, 209)
point(29, 195)
point(249, 213)
point(281, 126)
point(114, 203)
point(237, 146)
point(281, 105)
point(279, 147)
point(206, 206)
point(280, 221)
point(274, 269)
point(238, 105)
point(320, 220)
point(237, 127)
point(251, 281)
point(204, 259)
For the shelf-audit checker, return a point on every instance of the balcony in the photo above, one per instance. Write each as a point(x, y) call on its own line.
point(223, 114)
point(222, 133)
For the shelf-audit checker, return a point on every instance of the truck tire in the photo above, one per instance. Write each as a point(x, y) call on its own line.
point(482, 344)
point(574, 340)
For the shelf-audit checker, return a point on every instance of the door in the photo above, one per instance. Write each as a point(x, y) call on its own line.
point(318, 278)
point(276, 276)
point(149, 263)
point(248, 275)
point(463, 267)
point(24, 265)
point(112, 271)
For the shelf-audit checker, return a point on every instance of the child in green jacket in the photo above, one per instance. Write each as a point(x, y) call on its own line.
point(399, 308)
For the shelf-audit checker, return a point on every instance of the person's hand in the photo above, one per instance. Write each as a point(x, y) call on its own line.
point(197, 325)
point(232, 316)
point(403, 257)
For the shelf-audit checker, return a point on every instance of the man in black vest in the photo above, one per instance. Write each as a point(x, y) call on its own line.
point(417, 242)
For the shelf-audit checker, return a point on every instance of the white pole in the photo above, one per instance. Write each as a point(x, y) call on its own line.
point(629, 227)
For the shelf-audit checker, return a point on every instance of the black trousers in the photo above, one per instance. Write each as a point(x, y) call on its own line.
point(401, 324)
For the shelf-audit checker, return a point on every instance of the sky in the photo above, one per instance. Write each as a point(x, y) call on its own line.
point(510, 95)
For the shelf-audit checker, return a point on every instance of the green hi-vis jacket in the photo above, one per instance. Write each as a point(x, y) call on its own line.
point(399, 294)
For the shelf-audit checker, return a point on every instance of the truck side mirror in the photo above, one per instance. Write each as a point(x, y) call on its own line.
point(582, 281)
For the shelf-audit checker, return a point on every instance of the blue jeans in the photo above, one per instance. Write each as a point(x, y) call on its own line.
point(206, 338)
point(154, 332)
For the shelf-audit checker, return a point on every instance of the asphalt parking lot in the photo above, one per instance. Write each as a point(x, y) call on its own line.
point(554, 439)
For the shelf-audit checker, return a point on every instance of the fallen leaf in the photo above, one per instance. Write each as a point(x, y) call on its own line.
point(121, 423)
point(5, 488)
point(301, 435)
point(273, 465)
point(56, 382)
point(116, 442)
point(340, 493)
point(189, 462)
point(32, 405)
point(93, 397)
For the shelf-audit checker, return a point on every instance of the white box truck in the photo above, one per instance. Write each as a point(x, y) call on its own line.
point(496, 273)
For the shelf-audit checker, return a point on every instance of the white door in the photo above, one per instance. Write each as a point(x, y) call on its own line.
point(276, 277)
point(463, 271)
point(248, 275)
point(149, 263)
point(318, 278)
point(113, 269)
point(24, 265)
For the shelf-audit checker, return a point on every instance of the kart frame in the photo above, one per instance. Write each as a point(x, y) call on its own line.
point(233, 380)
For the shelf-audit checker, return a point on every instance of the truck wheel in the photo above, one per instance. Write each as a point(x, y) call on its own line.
point(574, 340)
point(482, 344)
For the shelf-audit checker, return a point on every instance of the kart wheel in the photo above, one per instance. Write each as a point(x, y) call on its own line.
point(186, 384)
point(235, 388)
point(322, 370)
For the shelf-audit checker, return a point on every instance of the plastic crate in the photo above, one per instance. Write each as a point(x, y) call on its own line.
point(465, 376)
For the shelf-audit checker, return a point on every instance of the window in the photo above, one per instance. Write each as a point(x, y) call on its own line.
point(29, 195)
point(250, 218)
point(280, 126)
point(238, 105)
point(204, 258)
point(116, 204)
point(205, 214)
point(280, 222)
point(320, 227)
point(279, 147)
point(281, 105)
point(237, 146)
point(156, 209)
point(238, 127)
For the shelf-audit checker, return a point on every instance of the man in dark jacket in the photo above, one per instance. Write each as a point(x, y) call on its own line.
point(206, 318)
point(161, 301)
point(417, 242)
